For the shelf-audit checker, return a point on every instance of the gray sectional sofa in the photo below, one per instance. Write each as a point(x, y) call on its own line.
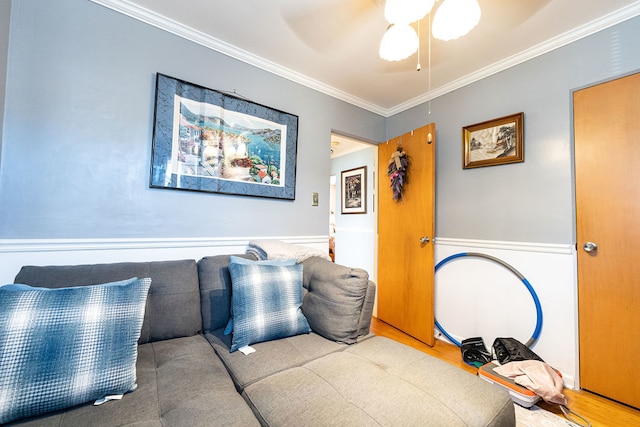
point(339, 374)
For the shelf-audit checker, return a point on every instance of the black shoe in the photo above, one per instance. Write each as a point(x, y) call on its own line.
point(474, 352)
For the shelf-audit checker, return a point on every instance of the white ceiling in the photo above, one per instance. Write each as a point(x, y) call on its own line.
point(342, 145)
point(332, 45)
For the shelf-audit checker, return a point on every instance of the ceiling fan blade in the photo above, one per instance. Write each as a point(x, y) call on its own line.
point(321, 24)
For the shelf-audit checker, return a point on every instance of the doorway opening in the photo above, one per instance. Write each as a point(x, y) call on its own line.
point(353, 237)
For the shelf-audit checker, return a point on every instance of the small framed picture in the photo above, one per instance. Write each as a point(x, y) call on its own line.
point(494, 142)
point(353, 185)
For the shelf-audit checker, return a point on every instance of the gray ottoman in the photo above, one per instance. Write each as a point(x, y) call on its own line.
point(378, 382)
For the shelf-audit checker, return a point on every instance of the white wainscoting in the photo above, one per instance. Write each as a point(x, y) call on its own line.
point(14, 253)
point(478, 297)
point(355, 247)
point(474, 297)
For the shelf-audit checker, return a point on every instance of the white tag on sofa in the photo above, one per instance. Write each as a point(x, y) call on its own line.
point(246, 350)
point(107, 398)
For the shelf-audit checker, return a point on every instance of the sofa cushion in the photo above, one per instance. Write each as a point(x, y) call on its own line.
point(266, 302)
point(379, 382)
point(67, 346)
point(215, 290)
point(336, 304)
point(181, 382)
point(270, 356)
point(173, 304)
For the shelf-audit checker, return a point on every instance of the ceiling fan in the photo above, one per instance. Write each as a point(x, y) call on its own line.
point(324, 24)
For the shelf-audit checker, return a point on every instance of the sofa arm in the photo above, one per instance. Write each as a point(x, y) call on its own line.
point(366, 314)
point(338, 301)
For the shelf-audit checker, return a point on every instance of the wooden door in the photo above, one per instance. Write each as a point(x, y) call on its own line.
point(405, 265)
point(607, 167)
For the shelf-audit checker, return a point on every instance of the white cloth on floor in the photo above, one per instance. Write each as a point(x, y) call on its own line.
point(538, 377)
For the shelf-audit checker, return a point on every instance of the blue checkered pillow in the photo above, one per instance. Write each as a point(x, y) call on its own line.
point(238, 260)
point(67, 346)
point(266, 301)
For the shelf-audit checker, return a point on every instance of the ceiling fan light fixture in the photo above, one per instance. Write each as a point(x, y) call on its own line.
point(406, 11)
point(455, 18)
point(400, 41)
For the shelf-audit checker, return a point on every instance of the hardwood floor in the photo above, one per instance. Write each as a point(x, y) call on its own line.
point(599, 411)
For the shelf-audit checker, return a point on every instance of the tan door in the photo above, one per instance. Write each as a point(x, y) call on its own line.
point(405, 264)
point(607, 163)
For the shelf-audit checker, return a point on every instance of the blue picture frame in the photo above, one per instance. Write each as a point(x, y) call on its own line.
point(209, 141)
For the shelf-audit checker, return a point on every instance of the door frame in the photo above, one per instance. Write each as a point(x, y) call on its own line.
point(372, 196)
point(577, 380)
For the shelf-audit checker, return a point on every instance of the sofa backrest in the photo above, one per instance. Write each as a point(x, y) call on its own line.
point(338, 300)
point(215, 290)
point(173, 303)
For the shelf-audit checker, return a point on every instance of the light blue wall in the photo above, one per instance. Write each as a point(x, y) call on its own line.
point(531, 201)
point(78, 130)
point(76, 140)
point(5, 19)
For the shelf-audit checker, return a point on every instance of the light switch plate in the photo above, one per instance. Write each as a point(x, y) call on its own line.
point(314, 199)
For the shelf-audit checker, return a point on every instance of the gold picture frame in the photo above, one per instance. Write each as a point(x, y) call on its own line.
point(494, 142)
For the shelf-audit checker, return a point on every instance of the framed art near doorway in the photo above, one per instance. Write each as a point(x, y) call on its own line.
point(353, 187)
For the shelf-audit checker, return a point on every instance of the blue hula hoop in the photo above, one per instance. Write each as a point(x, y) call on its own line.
point(537, 330)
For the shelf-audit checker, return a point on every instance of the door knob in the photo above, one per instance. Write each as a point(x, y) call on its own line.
point(590, 247)
point(424, 239)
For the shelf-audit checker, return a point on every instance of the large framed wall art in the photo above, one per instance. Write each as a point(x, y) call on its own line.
point(210, 141)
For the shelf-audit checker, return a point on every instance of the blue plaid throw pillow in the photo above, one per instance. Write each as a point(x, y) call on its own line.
point(238, 260)
point(67, 346)
point(266, 301)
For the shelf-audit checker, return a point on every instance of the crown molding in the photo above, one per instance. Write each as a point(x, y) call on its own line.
point(162, 22)
point(602, 23)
